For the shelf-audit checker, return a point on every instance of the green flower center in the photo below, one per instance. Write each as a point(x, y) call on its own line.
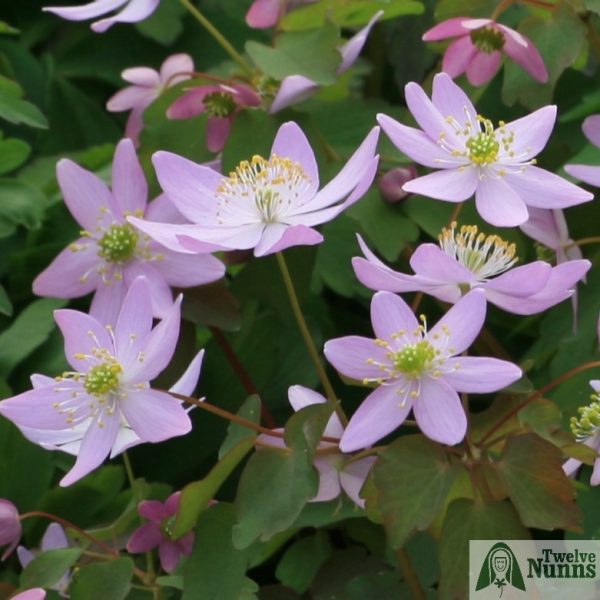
point(413, 359)
point(219, 104)
point(588, 421)
point(544, 253)
point(118, 243)
point(102, 379)
point(483, 148)
point(487, 39)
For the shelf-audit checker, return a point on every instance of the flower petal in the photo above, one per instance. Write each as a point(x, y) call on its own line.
point(264, 14)
point(130, 97)
point(586, 173)
point(155, 416)
point(352, 48)
point(169, 555)
point(293, 89)
point(591, 129)
point(439, 413)
point(107, 302)
point(159, 291)
point(483, 67)
point(381, 412)
point(446, 29)
point(499, 203)
point(129, 186)
point(450, 100)
point(276, 237)
point(353, 476)
point(530, 134)
point(429, 261)
point(452, 185)
point(153, 510)
point(526, 56)
point(390, 315)
point(54, 538)
point(189, 270)
point(521, 281)
point(300, 397)
point(459, 327)
point(349, 356)
point(217, 132)
point(176, 68)
point(543, 189)
point(86, 11)
point(479, 375)
point(329, 479)
point(145, 538)
point(135, 11)
point(458, 56)
point(186, 384)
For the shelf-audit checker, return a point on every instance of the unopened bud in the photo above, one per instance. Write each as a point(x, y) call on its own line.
point(390, 185)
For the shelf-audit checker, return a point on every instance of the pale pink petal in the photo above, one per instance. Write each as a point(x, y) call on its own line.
point(483, 67)
point(159, 291)
point(382, 411)
point(595, 478)
point(129, 186)
point(186, 384)
point(290, 142)
point(172, 503)
point(353, 476)
point(352, 48)
point(176, 68)
point(586, 173)
point(414, 143)
point(591, 129)
point(293, 89)
point(135, 11)
point(155, 416)
point(499, 203)
point(521, 281)
point(446, 29)
point(153, 510)
point(169, 555)
point(276, 238)
point(300, 397)
point(86, 11)
point(135, 125)
point(217, 132)
point(95, 446)
point(240, 237)
point(145, 538)
point(526, 56)
point(54, 538)
point(264, 13)
point(188, 270)
point(478, 374)
point(142, 77)
point(162, 210)
point(452, 185)
point(450, 100)
point(86, 195)
point(430, 262)
point(126, 438)
point(459, 327)
point(391, 315)
point(32, 594)
point(530, 134)
point(439, 413)
point(543, 189)
point(107, 301)
point(458, 56)
point(72, 273)
point(329, 480)
point(354, 357)
point(131, 97)
point(191, 103)
point(542, 226)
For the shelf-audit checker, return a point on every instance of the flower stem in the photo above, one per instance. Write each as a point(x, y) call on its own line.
point(314, 355)
point(535, 395)
point(225, 414)
point(595, 239)
point(69, 525)
point(218, 36)
point(410, 575)
point(502, 6)
point(455, 213)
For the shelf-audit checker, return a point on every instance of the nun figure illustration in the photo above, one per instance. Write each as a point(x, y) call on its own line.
point(501, 569)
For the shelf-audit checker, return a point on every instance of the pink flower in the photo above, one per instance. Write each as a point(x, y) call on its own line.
point(479, 46)
point(132, 11)
point(474, 157)
point(32, 594)
point(295, 88)
point(588, 174)
point(221, 103)
point(586, 430)
point(390, 185)
point(105, 404)
point(336, 471)
point(156, 533)
point(417, 368)
point(148, 85)
point(10, 527)
point(465, 260)
point(111, 253)
point(268, 205)
point(266, 13)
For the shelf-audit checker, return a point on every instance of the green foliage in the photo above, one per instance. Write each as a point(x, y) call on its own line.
point(99, 581)
point(47, 569)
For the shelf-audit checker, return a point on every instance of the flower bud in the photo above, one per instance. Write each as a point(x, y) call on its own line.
point(10, 526)
point(390, 185)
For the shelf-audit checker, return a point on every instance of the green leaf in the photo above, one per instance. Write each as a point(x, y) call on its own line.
point(165, 23)
point(275, 485)
point(100, 581)
point(347, 14)
point(388, 228)
point(302, 560)
point(412, 476)
point(13, 153)
point(251, 411)
point(592, 5)
point(6, 29)
point(541, 492)
point(20, 204)
point(212, 305)
point(197, 495)
point(16, 110)
point(28, 331)
point(559, 38)
point(49, 567)
point(6, 307)
point(446, 9)
point(312, 54)
point(468, 520)
point(215, 570)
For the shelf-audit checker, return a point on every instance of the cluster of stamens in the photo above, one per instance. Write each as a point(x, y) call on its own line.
point(487, 39)
point(484, 255)
point(589, 420)
point(103, 379)
point(272, 185)
point(219, 104)
point(483, 147)
point(118, 244)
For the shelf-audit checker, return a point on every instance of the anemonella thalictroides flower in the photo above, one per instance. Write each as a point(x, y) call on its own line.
point(588, 173)
point(156, 533)
point(111, 253)
point(10, 527)
point(132, 11)
point(466, 259)
point(479, 47)
point(586, 429)
point(105, 404)
point(473, 156)
point(417, 368)
point(265, 204)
